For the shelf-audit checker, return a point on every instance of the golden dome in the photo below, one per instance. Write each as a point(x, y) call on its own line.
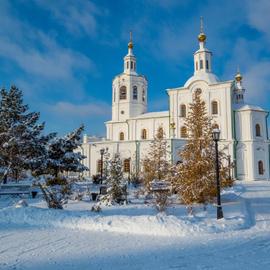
point(201, 37)
point(130, 45)
point(238, 77)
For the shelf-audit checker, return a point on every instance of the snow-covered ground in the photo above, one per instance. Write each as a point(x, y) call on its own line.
point(136, 237)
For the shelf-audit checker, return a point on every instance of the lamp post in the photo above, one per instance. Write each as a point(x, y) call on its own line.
point(102, 150)
point(216, 136)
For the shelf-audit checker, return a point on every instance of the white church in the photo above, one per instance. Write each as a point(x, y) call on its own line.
point(244, 132)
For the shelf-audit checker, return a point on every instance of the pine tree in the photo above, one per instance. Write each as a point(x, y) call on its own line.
point(195, 178)
point(61, 154)
point(155, 164)
point(61, 158)
point(115, 182)
point(22, 144)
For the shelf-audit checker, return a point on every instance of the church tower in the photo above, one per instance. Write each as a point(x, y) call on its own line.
point(238, 89)
point(129, 90)
point(202, 57)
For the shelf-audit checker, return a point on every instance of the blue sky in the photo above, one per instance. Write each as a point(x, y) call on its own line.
point(64, 54)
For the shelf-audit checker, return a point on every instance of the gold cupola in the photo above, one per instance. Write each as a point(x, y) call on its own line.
point(202, 35)
point(130, 44)
point(238, 77)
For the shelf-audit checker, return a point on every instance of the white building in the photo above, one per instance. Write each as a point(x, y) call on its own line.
point(243, 127)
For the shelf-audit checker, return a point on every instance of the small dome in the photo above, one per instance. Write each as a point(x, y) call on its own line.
point(238, 77)
point(201, 37)
point(130, 45)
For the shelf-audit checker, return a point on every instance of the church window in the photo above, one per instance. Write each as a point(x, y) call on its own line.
point(99, 165)
point(123, 92)
point(127, 65)
point(214, 105)
point(144, 134)
point(183, 110)
point(183, 132)
point(207, 64)
point(127, 165)
point(134, 66)
point(143, 95)
point(160, 133)
point(131, 65)
point(114, 95)
point(258, 130)
point(121, 136)
point(260, 168)
point(201, 64)
point(122, 112)
point(135, 93)
point(196, 65)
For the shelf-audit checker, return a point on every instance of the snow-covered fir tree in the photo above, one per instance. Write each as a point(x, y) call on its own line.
point(61, 154)
point(22, 144)
point(116, 184)
point(156, 165)
point(195, 178)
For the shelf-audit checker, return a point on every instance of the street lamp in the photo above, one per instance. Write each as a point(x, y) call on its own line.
point(102, 150)
point(216, 137)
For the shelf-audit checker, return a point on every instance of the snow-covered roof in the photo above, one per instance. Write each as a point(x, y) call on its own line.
point(248, 107)
point(152, 115)
point(210, 78)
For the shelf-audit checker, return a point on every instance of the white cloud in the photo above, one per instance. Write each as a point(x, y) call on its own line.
point(36, 52)
point(258, 15)
point(67, 109)
point(77, 16)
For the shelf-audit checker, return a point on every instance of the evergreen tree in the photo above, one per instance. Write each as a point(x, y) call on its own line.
point(22, 145)
point(155, 164)
point(116, 184)
point(195, 178)
point(62, 156)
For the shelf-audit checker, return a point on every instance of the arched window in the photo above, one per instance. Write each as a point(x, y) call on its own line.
point(131, 65)
point(127, 65)
point(160, 133)
point(114, 94)
point(123, 92)
point(214, 106)
point(183, 132)
point(127, 165)
point(99, 166)
point(196, 65)
point(144, 134)
point(135, 92)
point(183, 110)
point(258, 130)
point(143, 95)
point(201, 64)
point(260, 168)
point(207, 64)
point(121, 136)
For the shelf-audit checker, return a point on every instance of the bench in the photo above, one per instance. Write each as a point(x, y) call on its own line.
point(15, 189)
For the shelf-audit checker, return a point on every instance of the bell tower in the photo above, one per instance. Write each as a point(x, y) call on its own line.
point(129, 90)
point(238, 89)
point(202, 57)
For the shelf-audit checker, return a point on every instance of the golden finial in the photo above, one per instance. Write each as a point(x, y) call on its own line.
point(130, 44)
point(201, 36)
point(238, 76)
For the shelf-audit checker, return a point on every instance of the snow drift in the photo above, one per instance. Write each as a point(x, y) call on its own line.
point(159, 225)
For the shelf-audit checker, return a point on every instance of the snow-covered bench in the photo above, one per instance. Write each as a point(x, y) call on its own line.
point(15, 189)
